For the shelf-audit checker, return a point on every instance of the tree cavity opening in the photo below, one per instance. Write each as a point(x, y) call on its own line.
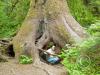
point(10, 51)
point(48, 58)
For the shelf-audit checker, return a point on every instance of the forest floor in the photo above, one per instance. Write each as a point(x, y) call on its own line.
point(13, 68)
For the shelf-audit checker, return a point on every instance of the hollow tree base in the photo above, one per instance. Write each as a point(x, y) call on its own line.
point(47, 20)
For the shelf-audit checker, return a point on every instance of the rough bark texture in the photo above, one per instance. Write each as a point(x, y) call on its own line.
point(6, 49)
point(47, 20)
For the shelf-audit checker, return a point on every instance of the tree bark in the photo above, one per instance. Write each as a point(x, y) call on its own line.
point(47, 20)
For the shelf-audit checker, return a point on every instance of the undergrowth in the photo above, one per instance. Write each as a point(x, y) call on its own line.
point(84, 58)
point(93, 6)
point(94, 29)
point(81, 12)
point(25, 59)
point(12, 14)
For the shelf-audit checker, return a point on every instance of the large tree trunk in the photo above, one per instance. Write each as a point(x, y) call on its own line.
point(47, 20)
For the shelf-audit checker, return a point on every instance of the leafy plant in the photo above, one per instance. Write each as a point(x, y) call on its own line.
point(83, 59)
point(25, 59)
point(94, 29)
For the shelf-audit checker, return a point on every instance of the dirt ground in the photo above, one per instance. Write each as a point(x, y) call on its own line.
point(12, 68)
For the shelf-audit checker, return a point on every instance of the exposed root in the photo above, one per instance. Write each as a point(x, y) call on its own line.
point(51, 69)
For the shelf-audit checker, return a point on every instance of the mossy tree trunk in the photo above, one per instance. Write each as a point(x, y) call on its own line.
point(47, 20)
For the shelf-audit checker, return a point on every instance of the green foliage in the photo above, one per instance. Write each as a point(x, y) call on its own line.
point(12, 13)
point(94, 29)
point(83, 59)
point(25, 59)
point(93, 6)
point(81, 13)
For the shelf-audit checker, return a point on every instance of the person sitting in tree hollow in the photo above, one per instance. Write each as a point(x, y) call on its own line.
point(51, 56)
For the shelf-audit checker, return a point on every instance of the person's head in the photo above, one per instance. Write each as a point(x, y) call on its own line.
point(53, 48)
